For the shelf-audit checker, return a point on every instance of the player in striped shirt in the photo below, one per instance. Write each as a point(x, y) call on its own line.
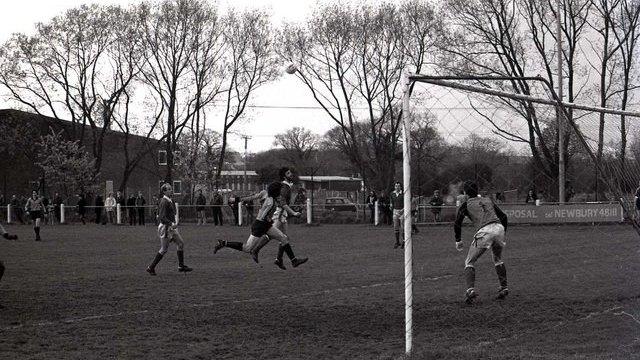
point(168, 231)
point(35, 209)
point(490, 224)
point(262, 229)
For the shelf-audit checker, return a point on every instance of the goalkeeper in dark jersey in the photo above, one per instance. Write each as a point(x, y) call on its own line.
point(283, 211)
point(262, 229)
point(490, 224)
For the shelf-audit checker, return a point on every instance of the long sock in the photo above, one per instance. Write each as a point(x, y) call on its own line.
point(397, 237)
point(156, 260)
point(287, 249)
point(280, 252)
point(1, 270)
point(501, 270)
point(263, 241)
point(470, 277)
point(234, 245)
point(180, 258)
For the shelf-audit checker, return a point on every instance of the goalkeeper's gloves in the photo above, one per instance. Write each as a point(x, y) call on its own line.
point(459, 245)
point(297, 214)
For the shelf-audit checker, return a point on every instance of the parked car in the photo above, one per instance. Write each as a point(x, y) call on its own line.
point(340, 204)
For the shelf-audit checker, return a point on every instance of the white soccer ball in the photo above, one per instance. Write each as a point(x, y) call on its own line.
point(291, 68)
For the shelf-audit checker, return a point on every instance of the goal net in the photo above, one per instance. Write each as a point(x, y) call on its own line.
point(543, 161)
point(481, 129)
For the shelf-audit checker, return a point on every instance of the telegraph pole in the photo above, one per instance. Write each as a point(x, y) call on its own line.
point(246, 139)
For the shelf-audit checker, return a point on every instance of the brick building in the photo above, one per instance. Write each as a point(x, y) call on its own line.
point(19, 174)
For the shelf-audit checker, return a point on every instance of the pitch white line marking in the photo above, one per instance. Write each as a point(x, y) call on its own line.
point(214, 303)
point(627, 314)
point(563, 323)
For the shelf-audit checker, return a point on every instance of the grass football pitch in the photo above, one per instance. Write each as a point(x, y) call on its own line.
point(83, 293)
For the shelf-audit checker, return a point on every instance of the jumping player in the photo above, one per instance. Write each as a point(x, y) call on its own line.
point(283, 211)
point(397, 205)
point(262, 229)
point(35, 209)
point(168, 231)
point(490, 224)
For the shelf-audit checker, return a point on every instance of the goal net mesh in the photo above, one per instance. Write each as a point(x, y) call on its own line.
point(508, 143)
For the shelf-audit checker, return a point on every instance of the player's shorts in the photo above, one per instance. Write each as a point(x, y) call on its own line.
point(489, 235)
point(259, 228)
point(280, 215)
point(35, 214)
point(398, 218)
point(166, 232)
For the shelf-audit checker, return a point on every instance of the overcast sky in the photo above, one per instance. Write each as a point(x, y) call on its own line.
point(277, 105)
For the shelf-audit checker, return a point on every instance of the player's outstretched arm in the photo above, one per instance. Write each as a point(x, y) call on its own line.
point(290, 210)
point(255, 196)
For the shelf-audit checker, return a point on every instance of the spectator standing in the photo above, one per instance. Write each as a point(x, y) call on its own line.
point(383, 204)
point(201, 201)
point(216, 201)
point(531, 197)
point(46, 213)
point(436, 206)
point(131, 209)
point(57, 205)
point(371, 202)
point(16, 207)
point(82, 208)
point(99, 203)
point(120, 200)
point(415, 201)
point(110, 207)
point(155, 202)
point(234, 202)
point(569, 191)
point(140, 203)
point(249, 207)
point(299, 203)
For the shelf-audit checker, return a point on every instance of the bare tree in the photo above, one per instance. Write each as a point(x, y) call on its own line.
point(627, 20)
point(604, 25)
point(488, 38)
point(299, 145)
point(66, 71)
point(182, 45)
point(250, 62)
point(351, 60)
point(197, 158)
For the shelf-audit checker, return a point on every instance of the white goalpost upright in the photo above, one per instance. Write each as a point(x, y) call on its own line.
point(408, 246)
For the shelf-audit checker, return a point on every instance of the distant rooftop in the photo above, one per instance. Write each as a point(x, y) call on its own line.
point(329, 178)
point(237, 173)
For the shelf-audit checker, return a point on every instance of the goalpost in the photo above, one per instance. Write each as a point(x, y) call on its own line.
point(599, 139)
